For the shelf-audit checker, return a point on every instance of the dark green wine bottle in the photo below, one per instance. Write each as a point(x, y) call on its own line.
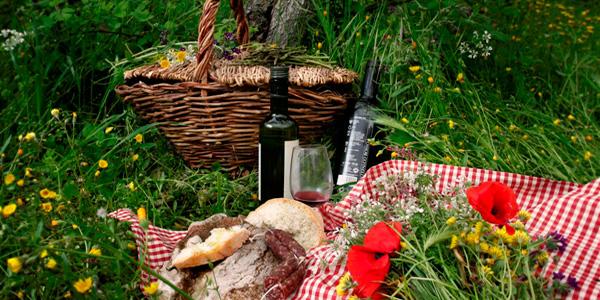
point(278, 136)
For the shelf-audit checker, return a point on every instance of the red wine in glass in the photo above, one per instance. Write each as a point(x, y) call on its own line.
point(311, 181)
point(311, 197)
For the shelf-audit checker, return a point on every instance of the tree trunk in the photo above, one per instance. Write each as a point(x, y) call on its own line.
point(278, 21)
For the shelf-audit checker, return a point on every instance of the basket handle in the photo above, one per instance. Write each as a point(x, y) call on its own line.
point(206, 28)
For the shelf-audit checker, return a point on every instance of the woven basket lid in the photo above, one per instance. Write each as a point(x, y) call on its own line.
point(230, 74)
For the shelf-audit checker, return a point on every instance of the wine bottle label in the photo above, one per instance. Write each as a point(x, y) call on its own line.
point(356, 149)
point(287, 163)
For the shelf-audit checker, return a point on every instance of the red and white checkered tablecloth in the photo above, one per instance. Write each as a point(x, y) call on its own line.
point(569, 208)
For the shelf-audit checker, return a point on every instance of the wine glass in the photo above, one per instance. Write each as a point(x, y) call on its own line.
point(311, 181)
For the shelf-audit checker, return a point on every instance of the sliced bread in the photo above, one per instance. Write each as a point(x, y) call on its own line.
point(221, 243)
point(300, 220)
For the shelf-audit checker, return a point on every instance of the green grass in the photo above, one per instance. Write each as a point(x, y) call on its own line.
point(505, 109)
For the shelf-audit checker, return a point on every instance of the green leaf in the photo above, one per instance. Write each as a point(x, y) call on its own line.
point(70, 190)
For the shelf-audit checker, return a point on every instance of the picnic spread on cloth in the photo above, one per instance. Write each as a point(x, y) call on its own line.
point(555, 206)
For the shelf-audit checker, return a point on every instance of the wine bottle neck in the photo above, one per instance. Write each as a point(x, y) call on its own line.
point(279, 95)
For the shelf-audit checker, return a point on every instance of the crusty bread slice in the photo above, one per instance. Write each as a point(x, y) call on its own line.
point(221, 243)
point(300, 220)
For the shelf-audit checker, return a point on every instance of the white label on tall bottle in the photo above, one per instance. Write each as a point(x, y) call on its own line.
point(259, 175)
point(354, 164)
point(287, 164)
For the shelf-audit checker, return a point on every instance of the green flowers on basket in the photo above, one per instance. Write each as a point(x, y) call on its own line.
point(413, 242)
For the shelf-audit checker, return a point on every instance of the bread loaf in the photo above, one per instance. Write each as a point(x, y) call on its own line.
point(300, 220)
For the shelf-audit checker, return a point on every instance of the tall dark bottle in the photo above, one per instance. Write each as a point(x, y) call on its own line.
point(361, 127)
point(278, 136)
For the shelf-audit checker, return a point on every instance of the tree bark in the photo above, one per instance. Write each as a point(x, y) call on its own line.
point(288, 22)
point(278, 21)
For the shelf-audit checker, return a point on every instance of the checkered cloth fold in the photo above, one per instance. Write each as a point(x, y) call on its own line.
point(569, 208)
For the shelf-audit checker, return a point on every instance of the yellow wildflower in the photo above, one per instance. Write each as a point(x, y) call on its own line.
point(131, 186)
point(151, 289)
point(75, 226)
point(254, 197)
point(135, 157)
point(9, 210)
point(51, 264)
point(542, 257)
point(588, 138)
point(571, 117)
point(95, 251)
point(21, 182)
point(487, 271)
point(450, 124)
point(454, 242)
point(97, 173)
point(512, 127)
point(472, 238)
point(414, 69)
point(9, 179)
point(518, 225)
point(14, 264)
point(358, 34)
point(82, 286)
point(319, 45)
point(55, 112)
point(367, 17)
point(495, 157)
point(418, 76)
point(460, 78)
point(496, 252)
point(448, 158)
point(573, 139)
point(437, 89)
point(28, 172)
point(74, 115)
point(47, 207)
point(47, 194)
point(394, 154)
point(20, 294)
point(508, 69)
point(67, 295)
point(44, 253)
point(413, 45)
point(521, 237)
point(525, 137)
point(30, 136)
point(103, 164)
point(180, 56)
point(108, 130)
point(131, 246)
point(485, 247)
point(164, 63)
point(404, 120)
point(344, 285)
point(325, 13)
point(139, 138)
point(54, 223)
point(587, 155)
point(141, 214)
point(430, 79)
point(524, 215)
point(478, 227)
point(317, 33)
point(556, 122)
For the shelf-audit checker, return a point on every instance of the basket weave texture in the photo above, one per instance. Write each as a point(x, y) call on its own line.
point(211, 109)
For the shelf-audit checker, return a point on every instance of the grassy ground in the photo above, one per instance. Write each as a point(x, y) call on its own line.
point(532, 106)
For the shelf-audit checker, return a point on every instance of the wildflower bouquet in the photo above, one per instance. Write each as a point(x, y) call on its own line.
point(413, 242)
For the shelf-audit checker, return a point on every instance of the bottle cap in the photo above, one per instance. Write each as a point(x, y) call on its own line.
point(279, 71)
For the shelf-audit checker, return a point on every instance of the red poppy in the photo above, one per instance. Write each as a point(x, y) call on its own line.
point(369, 264)
point(496, 202)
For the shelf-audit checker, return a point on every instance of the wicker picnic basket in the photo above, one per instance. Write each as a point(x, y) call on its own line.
point(211, 109)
